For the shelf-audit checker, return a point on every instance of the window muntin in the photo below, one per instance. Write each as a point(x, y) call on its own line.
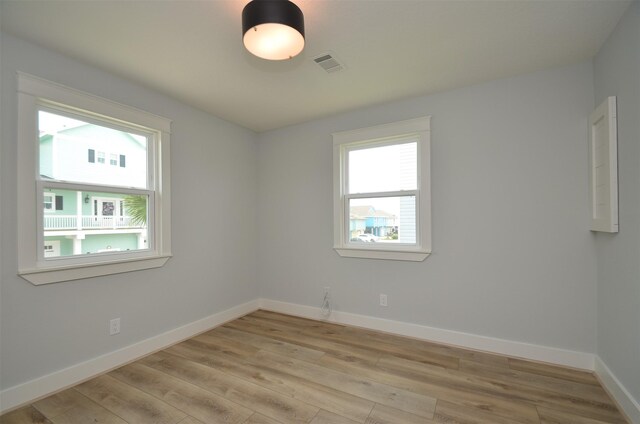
point(382, 204)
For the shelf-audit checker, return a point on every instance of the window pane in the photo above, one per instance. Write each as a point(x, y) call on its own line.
point(94, 222)
point(383, 220)
point(48, 201)
point(385, 168)
point(73, 150)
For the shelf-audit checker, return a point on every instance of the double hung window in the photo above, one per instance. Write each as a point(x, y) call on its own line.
point(107, 219)
point(381, 191)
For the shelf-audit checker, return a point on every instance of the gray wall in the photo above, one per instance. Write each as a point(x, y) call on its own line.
point(213, 175)
point(617, 73)
point(513, 256)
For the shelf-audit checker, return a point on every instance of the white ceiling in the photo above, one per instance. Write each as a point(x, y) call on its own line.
point(392, 49)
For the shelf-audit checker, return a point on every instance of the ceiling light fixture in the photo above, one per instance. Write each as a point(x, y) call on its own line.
point(273, 29)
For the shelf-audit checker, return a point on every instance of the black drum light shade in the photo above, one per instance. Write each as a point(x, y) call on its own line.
point(273, 29)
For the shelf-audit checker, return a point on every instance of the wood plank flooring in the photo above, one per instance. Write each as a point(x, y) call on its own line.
point(269, 368)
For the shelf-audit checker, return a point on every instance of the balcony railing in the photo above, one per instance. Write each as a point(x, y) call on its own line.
point(88, 222)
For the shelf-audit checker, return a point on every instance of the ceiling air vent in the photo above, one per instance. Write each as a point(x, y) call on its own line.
point(329, 63)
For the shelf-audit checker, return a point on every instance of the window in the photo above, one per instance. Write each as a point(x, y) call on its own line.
point(49, 199)
point(52, 249)
point(108, 220)
point(382, 204)
point(53, 202)
point(122, 161)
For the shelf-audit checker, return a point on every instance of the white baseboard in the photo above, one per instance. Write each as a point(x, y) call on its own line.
point(40, 387)
point(551, 355)
point(629, 405)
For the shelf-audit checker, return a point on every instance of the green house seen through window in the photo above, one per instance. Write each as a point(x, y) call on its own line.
point(86, 220)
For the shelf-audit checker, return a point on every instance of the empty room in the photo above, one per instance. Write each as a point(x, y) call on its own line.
point(320, 211)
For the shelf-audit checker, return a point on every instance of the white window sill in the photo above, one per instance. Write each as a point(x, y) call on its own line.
point(393, 255)
point(48, 275)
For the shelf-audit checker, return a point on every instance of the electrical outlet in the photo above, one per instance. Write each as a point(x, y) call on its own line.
point(114, 326)
point(383, 299)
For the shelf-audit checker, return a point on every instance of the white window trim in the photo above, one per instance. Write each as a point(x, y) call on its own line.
point(420, 127)
point(605, 115)
point(33, 93)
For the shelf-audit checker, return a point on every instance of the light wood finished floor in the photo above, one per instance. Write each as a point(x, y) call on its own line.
point(268, 368)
